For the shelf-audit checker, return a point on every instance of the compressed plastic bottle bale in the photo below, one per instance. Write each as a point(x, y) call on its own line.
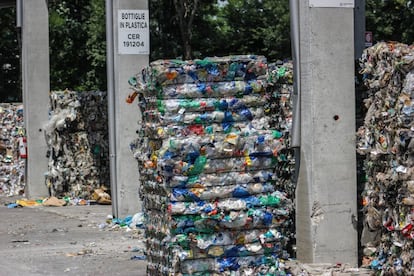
point(213, 157)
point(174, 106)
point(196, 206)
point(221, 89)
point(217, 192)
point(253, 143)
point(255, 181)
point(164, 72)
point(221, 265)
point(155, 131)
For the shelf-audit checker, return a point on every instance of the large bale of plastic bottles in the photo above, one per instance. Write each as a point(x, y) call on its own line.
point(385, 140)
point(215, 165)
point(12, 160)
point(77, 140)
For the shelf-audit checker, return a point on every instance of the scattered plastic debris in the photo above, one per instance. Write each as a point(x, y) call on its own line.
point(138, 257)
point(101, 196)
point(54, 201)
point(12, 205)
point(29, 202)
point(134, 222)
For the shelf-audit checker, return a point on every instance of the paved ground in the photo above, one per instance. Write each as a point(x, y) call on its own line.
point(66, 241)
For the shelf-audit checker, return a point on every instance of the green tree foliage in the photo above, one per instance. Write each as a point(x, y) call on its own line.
point(10, 88)
point(257, 26)
point(209, 28)
point(391, 20)
point(67, 44)
point(183, 28)
point(207, 34)
point(77, 45)
point(164, 34)
point(186, 11)
point(219, 28)
point(96, 46)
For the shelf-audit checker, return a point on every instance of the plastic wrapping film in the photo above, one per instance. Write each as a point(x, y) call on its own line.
point(77, 139)
point(215, 166)
point(12, 160)
point(385, 140)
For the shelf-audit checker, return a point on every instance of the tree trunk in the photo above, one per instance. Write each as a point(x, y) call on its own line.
point(186, 10)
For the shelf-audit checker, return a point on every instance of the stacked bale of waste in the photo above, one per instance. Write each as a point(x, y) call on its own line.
point(77, 139)
point(12, 163)
point(280, 87)
point(386, 141)
point(207, 156)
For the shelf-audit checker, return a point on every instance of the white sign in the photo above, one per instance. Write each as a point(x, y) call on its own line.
point(331, 3)
point(133, 32)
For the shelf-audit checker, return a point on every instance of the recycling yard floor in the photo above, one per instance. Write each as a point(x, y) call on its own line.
point(66, 241)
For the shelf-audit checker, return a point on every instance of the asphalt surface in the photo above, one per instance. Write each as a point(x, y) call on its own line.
point(68, 240)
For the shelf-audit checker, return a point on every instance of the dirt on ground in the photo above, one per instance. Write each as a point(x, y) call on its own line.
point(68, 240)
point(81, 240)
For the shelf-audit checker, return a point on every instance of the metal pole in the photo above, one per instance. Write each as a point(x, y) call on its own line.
point(359, 28)
point(111, 104)
point(19, 14)
point(294, 33)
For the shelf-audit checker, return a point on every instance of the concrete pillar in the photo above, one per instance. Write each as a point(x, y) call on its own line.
point(327, 189)
point(36, 85)
point(127, 60)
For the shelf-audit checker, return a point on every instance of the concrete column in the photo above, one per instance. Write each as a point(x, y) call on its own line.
point(327, 189)
point(36, 85)
point(127, 116)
